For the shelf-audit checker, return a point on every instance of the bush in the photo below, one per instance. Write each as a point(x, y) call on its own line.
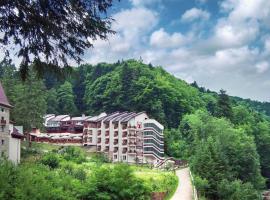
point(100, 158)
point(74, 154)
point(51, 160)
point(79, 174)
point(115, 183)
point(237, 190)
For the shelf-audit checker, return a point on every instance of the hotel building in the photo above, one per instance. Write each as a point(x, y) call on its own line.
point(126, 137)
point(122, 136)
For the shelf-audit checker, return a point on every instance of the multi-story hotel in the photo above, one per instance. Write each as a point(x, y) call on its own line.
point(10, 135)
point(123, 136)
point(126, 137)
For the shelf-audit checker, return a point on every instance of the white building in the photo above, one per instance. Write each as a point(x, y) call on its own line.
point(126, 137)
point(10, 136)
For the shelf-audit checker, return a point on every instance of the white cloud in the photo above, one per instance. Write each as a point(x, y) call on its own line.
point(194, 14)
point(144, 2)
point(241, 10)
point(162, 39)
point(227, 34)
point(131, 26)
point(262, 67)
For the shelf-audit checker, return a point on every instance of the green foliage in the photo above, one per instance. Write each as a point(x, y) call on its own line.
point(135, 86)
point(111, 183)
point(65, 98)
point(99, 158)
point(51, 160)
point(237, 190)
point(224, 106)
point(54, 177)
point(52, 102)
point(219, 151)
point(29, 101)
point(74, 154)
point(262, 138)
point(47, 34)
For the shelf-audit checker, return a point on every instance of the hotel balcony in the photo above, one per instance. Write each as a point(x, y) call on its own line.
point(132, 143)
point(132, 151)
point(106, 149)
point(139, 143)
point(115, 134)
point(133, 135)
point(85, 125)
point(107, 126)
point(85, 132)
point(99, 141)
point(99, 133)
point(107, 133)
point(124, 142)
point(99, 125)
point(115, 149)
point(124, 126)
point(124, 150)
point(92, 125)
point(115, 126)
point(98, 148)
point(107, 141)
point(132, 127)
point(115, 142)
point(124, 134)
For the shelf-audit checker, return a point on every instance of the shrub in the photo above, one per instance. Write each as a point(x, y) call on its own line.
point(100, 158)
point(51, 160)
point(74, 154)
point(237, 190)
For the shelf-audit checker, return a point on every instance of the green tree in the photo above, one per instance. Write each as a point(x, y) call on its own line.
point(224, 105)
point(237, 190)
point(66, 99)
point(262, 138)
point(29, 103)
point(52, 102)
point(48, 33)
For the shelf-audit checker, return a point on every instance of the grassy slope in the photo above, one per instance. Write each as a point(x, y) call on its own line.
point(157, 180)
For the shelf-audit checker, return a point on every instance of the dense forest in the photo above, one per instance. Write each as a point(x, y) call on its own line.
point(225, 139)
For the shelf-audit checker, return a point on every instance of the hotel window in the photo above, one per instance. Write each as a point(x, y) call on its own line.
point(2, 128)
point(115, 157)
point(2, 109)
point(124, 157)
point(2, 142)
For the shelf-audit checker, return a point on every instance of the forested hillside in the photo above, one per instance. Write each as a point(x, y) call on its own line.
point(226, 139)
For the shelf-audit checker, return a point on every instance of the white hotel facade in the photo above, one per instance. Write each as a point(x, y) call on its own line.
point(126, 137)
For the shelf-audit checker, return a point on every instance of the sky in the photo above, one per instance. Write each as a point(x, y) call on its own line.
point(217, 43)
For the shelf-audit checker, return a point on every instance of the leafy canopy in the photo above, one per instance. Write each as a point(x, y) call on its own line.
point(49, 33)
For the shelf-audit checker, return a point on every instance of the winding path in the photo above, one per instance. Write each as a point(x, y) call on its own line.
point(184, 190)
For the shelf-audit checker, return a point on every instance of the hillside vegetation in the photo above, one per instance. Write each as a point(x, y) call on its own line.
point(70, 174)
point(225, 139)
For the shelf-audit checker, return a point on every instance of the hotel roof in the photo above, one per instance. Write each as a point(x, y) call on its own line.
point(60, 118)
point(96, 118)
point(3, 98)
point(82, 118)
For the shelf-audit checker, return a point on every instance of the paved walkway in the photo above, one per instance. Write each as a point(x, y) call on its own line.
point(184, 189)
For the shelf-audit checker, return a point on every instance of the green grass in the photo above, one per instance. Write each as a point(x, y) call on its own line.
point(40, 146)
